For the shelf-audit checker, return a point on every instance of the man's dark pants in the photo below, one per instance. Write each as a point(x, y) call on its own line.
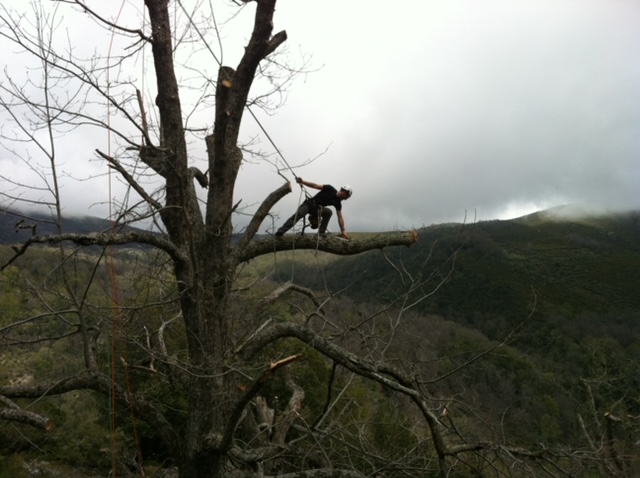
point(307, 208)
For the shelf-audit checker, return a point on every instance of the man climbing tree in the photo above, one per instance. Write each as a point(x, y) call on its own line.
point(318, 208)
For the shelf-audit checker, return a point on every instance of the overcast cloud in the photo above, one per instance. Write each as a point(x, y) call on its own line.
point(432, 110)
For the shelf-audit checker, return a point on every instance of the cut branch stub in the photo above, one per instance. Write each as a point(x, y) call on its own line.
point(14, 413)
point(236, 415)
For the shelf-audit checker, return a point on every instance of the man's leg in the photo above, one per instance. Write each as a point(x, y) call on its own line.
point(326, 216)
point(314, 216)
point(302, 210)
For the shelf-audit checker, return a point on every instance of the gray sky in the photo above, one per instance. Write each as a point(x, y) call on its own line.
point(432, 110)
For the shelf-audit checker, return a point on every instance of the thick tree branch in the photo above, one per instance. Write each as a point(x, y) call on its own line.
point(276, 40)
point(16, 414)
point(351, 361)
point(266, 375)
point(315, 473)
point(155, 158)
point(286, 419)
point(511, 450)
point(102, 239)
point(260, 214)
point(254, 455)
point(373, 370)
point(260, 45)
point(322, 473)
point(387, 376)
point(289, 286)
point(331, 244)
point(103, 385)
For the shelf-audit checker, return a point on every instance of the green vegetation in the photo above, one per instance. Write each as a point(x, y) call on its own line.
point(567, 287)
point(535, 332)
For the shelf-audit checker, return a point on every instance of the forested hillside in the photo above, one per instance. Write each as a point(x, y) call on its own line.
point(561, 291)
point(586, 263)
point(525, 330)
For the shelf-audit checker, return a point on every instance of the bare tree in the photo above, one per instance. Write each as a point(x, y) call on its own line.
point(198, 242)
point(233, 349)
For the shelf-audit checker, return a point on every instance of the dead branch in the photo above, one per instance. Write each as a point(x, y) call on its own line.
point(109, 24)
point(14, 413)
point(267, 374)
point(287, 287)
point(115, 164)
point(286, 419)
point(98, 383)
point(102, 239)
point(201, 177)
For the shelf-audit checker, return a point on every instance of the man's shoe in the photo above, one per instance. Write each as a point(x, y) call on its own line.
point(279, 234)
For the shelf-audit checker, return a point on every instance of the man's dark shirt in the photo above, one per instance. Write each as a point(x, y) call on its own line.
point(328, 196)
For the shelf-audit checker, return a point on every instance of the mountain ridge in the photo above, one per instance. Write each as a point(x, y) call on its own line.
point(588, 263)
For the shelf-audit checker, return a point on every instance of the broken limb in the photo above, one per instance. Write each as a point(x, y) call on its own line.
point(14, 413)
point(236, 415)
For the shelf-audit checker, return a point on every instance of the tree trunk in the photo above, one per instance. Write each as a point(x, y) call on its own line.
point(203, 279)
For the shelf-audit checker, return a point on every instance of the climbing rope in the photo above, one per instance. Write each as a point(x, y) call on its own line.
point(117, 325)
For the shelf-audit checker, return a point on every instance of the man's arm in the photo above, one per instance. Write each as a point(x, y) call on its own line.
point(308, 184)
point(343, 229)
